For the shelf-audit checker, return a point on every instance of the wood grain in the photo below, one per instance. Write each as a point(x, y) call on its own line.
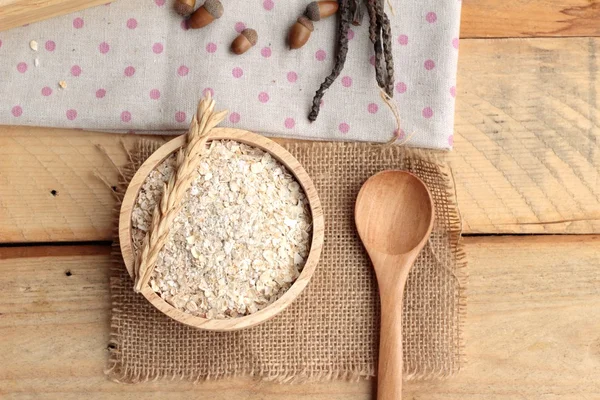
point(526, 158)
point(532, 329)
point(14, 13)
point(529, 18)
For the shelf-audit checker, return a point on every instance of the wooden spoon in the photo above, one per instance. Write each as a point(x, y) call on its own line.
point(394, 217)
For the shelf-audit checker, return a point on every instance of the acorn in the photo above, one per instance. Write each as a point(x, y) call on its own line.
point(185, 7)
point(300, 32)
point(245, 40)
point(318, 10)
point(210, 10)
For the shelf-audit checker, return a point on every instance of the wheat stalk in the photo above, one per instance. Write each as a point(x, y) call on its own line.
point(188, 159)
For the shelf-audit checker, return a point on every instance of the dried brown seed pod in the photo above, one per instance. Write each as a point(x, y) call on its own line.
point(185, 7)
point(210, 10)
point(244, 41)
point(300, 32)
point(318, 10)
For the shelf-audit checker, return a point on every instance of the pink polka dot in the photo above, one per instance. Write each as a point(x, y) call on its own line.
point(427, 112)
point(372, 60)
point(292, 77)
point(451, 140)
point(344, 127)
point(78, 23)
point(46, 91)
point(160, 3)
point(268, 5)
point(455, 43)
point(266, 52)
point(320, 55)
point(346, 81)
point(431, 17)
point(75, 70)
point(263, 97)
point(184, 25)
point(399, 134)
point(350, 34)
point(132, 23)
point(50, 45)
point(403, 40)
point(17, 111)
point(429, 65)
point(289, 123)
point(22, 67)
point(453, 91)
point(207, 91)
point(104, 47)
point(125, 116)
point(372, 108)
point(155, 94)
point(129, 71)
point(211, 47)
point(0, 43)
point(239, 27)
point(183, 70)
point(400, 87)
point(234, 118)
point(157, 48)
point(180, 116)
point(237, 72)
point(71, 114)
point(100, 93)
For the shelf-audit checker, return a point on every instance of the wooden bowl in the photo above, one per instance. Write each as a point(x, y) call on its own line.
point(316, 245)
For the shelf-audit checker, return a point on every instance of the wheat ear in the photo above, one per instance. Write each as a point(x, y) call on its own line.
point(188, 159)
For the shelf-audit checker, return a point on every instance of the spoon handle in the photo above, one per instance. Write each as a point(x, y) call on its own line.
point(389, 375)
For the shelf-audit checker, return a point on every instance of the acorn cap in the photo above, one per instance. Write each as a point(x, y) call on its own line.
point(251, 35)
point(306, 22)
point(214, 8)
point(184, 7)
point(312, 12)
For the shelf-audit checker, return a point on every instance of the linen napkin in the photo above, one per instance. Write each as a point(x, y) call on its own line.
point(134, 66)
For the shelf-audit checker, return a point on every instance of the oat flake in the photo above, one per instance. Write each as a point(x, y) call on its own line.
point(241, 238)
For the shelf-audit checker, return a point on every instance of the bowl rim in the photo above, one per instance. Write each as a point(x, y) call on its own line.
point(318, 227)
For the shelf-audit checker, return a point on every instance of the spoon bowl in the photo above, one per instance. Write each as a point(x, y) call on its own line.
point(400, 219)
point(394, 217)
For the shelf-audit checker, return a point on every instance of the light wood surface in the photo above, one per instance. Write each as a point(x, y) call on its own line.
point(532, 329)
point(394, 216)
point(316, 245)
point(14, 13)
point(526, 159)
point(516, 18)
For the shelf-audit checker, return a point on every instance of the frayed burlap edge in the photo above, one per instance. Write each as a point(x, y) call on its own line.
point(128, 375)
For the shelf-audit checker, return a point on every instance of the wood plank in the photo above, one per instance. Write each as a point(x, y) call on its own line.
point(527, 154)
point(529, 18)
point(14, 13)
point(526, 158)
point(532, 329)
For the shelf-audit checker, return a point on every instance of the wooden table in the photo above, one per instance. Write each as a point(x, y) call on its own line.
point(526, 163)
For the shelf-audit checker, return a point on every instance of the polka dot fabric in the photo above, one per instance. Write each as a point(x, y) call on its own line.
point(136, 66)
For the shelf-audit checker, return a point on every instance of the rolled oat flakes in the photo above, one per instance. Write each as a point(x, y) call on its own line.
point(241, 238)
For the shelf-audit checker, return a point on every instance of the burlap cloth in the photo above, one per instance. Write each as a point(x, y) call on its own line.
point(331, 330)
